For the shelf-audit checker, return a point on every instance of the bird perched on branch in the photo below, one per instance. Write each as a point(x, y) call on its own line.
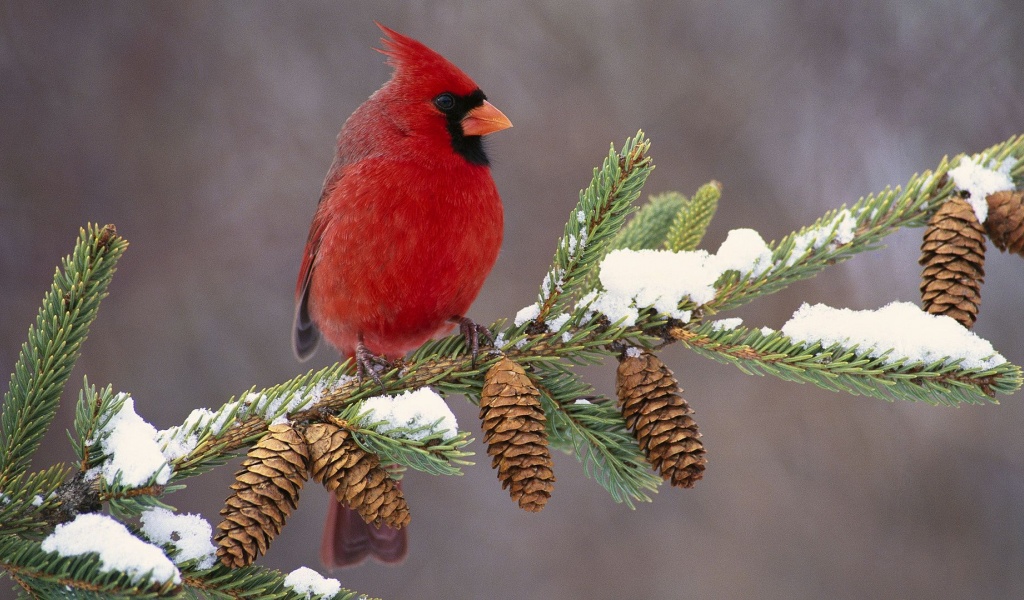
point(408, 226)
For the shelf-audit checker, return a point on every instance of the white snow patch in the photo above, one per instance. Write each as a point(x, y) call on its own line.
point(527, 313)
point(634, 352)
point(300, 399)
point(900, 327)
point(840, 230)
point(421, 407)
point(724, 324)
point(552, 282)
point(576, 245)
point(979, 181)
point(314, 585)
point(585, 303)
point(189, 534)
point(180, 440)
point(117, 548)
point(846, 227)
point(176, 443)
point(587, 299)
point(556, 323)
point(744, 250)
point(132, 449)
point(637, 279)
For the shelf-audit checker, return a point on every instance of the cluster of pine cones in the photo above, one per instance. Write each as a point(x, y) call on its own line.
point(953, 252)
point(266, 488)
point(516, 436)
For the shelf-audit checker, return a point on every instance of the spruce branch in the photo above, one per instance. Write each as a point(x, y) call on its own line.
point(592, 225)
point(430, 456)
point(692, 219)
point(848, 369)
point(31, 501)
point(842, 233)
point(252, 581)
point(54, 341)
point(207, 438)
point(91, 408)
point(126, 502)
point(433, 453)
point(47, 575)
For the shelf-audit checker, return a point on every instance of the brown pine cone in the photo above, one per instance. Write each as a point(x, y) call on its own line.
point(660, 418)
point(355, 476)
point(953, 257)
point(266, 491)
point(1005, 222)
point(514, 430)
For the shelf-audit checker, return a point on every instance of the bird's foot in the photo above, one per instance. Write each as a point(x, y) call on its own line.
point(367, 363)
point(472, 332)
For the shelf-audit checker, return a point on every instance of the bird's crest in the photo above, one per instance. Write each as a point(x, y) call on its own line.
point(413, 60)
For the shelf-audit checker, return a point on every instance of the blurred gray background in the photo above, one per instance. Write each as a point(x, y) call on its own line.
point(203, 131)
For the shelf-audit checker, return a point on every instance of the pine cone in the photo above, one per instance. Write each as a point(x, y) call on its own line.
point(953, 257)
point(266, 492)
point(355, 476)
point(660, 418)
point(1005, 222)
point(514, 430)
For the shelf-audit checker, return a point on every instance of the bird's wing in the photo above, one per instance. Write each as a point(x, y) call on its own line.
point(305, 335)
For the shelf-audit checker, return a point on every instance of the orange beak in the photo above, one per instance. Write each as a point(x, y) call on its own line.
point(484, 119)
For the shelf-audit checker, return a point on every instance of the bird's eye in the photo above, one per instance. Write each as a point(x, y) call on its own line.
point(444, 102)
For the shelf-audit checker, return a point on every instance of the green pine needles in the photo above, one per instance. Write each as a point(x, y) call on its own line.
point(46, 359)
point(576, 320)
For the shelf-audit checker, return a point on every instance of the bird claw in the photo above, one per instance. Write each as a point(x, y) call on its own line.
point(472, 332)
point(366, 363)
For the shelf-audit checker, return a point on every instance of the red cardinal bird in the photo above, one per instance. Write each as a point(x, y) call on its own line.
point(408, 226)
